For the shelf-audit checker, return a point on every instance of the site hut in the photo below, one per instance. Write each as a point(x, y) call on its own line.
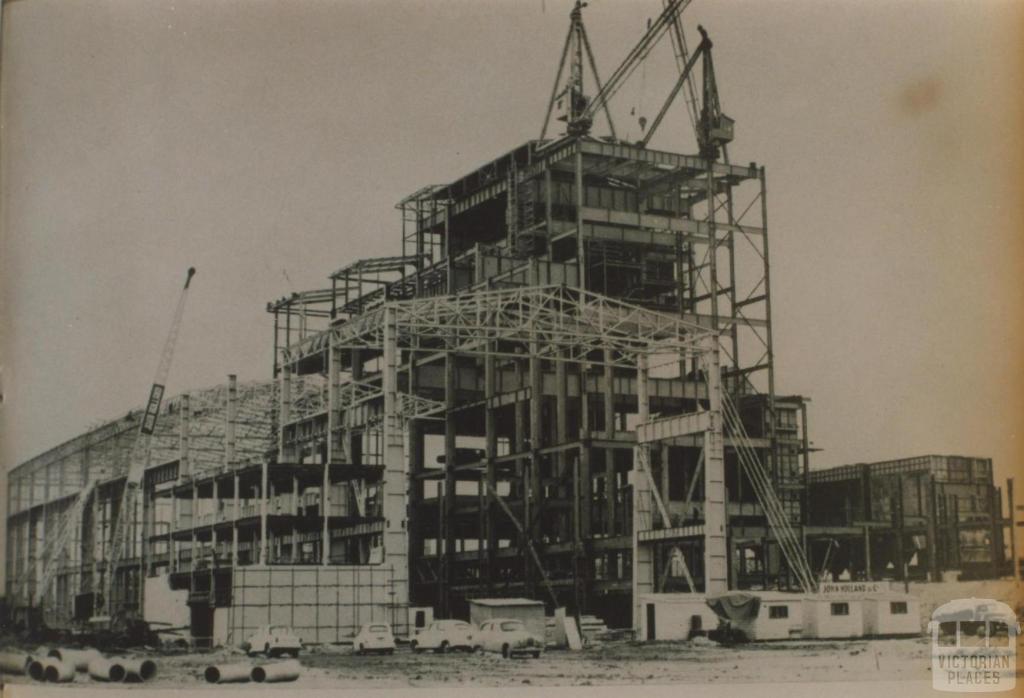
point(827, 616)
point(892, 613)
point(530, 612)
point(675, 616)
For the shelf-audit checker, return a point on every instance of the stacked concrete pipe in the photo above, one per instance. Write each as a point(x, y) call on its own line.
point(138, 670)
point(56, 671)
point(103, 669)
point(77, 658)
point(14, 662)
point(228, 673)
point(277, 672)
point(35, 669)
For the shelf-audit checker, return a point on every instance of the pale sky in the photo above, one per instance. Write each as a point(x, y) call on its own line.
point(266, 143)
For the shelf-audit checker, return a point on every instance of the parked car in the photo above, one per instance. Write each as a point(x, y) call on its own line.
point(374, 637)
point(274, 640)
point(509, 637)
point(444, 635)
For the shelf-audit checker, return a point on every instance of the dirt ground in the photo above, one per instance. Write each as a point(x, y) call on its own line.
point(621, 662)
point(607, 663)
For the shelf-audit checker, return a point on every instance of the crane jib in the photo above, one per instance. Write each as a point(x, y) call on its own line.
point(156, 394)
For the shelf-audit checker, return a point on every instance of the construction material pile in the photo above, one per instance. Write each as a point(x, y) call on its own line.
point(274, 672)
point(62, 665)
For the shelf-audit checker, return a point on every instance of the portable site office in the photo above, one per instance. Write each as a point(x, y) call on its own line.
point(892, 614)
point(774, 615)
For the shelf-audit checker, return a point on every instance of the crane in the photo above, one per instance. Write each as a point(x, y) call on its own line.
point(713, 128)
point(581, 112)
point(138, 459)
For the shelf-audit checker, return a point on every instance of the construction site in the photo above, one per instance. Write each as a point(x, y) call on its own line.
point(561, 387)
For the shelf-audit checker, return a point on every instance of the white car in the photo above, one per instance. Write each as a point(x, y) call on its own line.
point(275, 640)
point(444, 635)
point(374, 637)
point(509, 637)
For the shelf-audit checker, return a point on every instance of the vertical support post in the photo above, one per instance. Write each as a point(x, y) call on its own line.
point(901, 559)
point(932, 530)
point(581, 246)
point(610, 484)
point(1013, 529)
point(396, 476)
point(325, 512)
point(532, 495)
point(284, 410)
point(295, 512)
point(277, 342)
point(643, 559)
point(995, 504)
point(561, 436)
point(868, 574)
point(236, 514)
point(547, 201)
point(172, 548)
point(231, 417)
point(448, 249)
point(520, 419)
point(333, 385)
point(264, 503)
point(184, 467)
point(195, 522)
point(715, 546)
point(956, 529)
point(450, 456)
point(214, 516)
point(491, 444)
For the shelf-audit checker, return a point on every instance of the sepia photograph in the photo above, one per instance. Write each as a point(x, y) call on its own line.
point(482, 345)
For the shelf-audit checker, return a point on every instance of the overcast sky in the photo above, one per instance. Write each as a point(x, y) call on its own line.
point(266, 143)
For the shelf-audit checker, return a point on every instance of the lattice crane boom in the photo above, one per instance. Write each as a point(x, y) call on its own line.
point(140, 452)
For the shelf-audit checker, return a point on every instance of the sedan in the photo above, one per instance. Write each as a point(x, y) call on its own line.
point(509, 637)
point(374, 637)
point(275, 640)
point(444, 635)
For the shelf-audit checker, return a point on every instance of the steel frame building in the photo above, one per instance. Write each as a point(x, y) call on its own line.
point(562, 388)
point(534, 488)
point(911, 519)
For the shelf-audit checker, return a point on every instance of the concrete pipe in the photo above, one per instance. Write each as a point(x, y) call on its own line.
point(35, 669)
point(14, 662)
point(138, 670)
point(57, 671)
point(77, 658)
point(228, 673)
point(106, 670)
point(279, 671)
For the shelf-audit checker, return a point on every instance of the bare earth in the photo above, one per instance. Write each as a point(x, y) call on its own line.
point(610, 663)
